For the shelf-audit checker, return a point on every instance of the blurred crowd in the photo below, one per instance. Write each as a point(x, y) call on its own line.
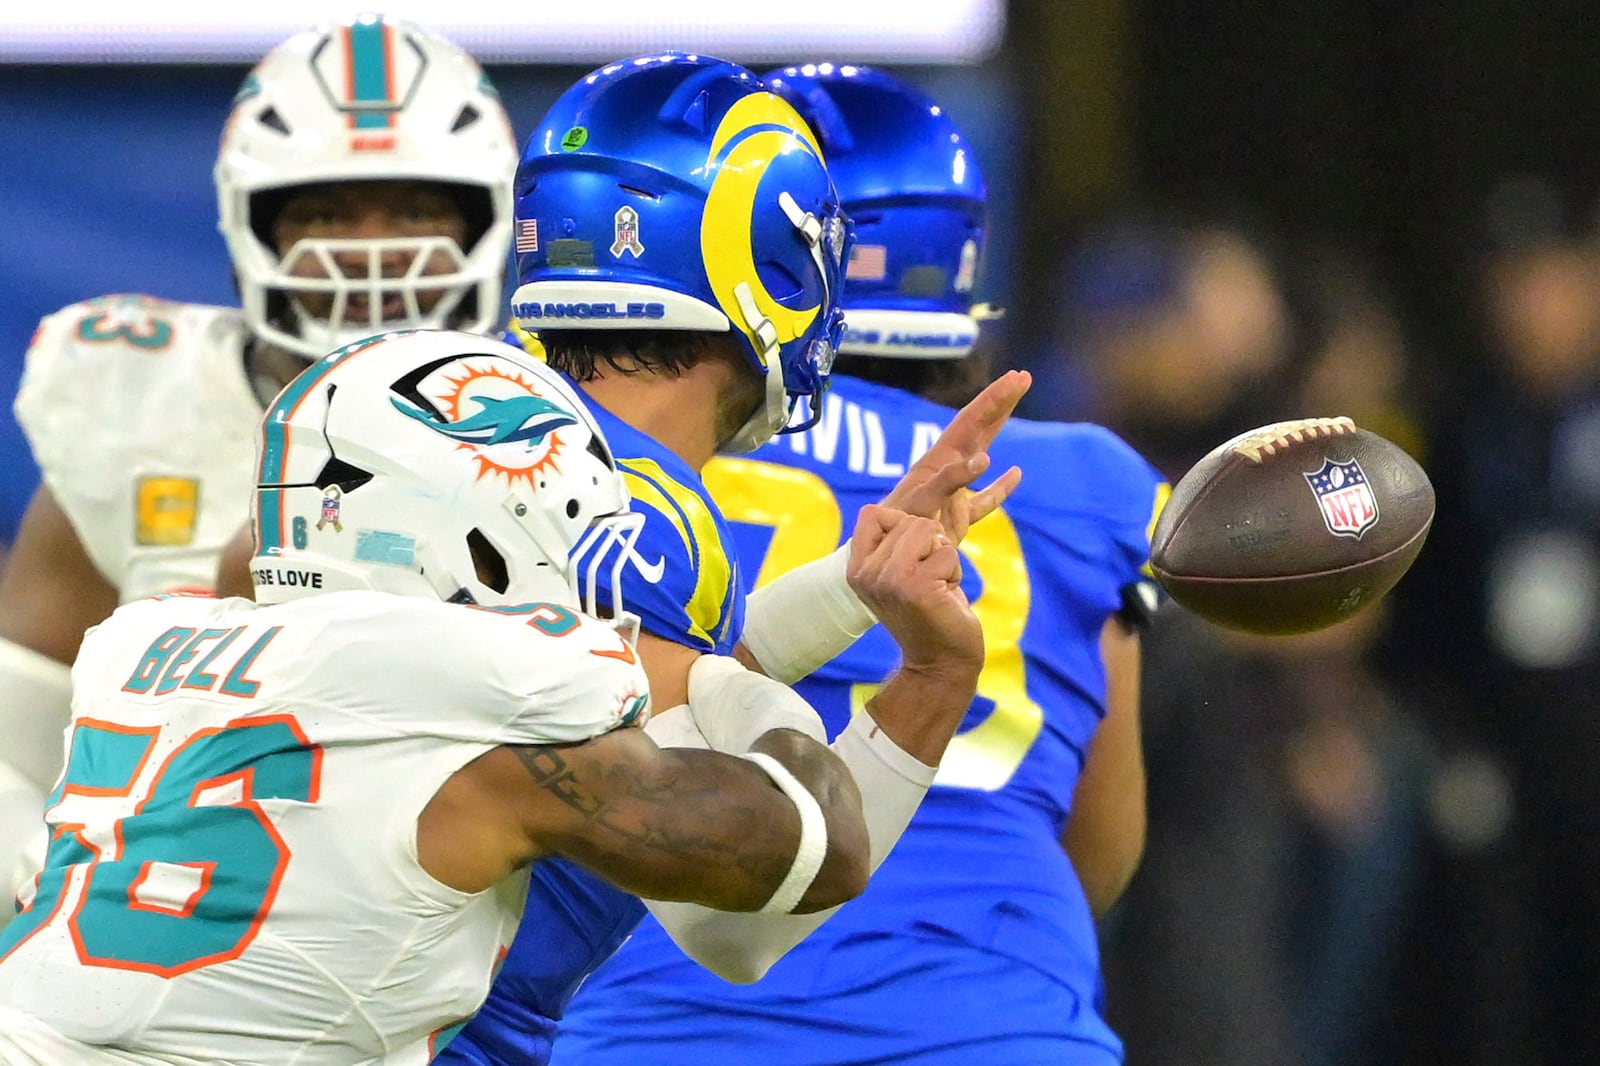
point(1381, 843)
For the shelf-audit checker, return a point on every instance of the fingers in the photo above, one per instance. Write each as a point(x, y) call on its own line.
point(974, 427)
point(966, 438)
point(945, 561)
point(875, 520)
point(873, 523)
point(917, 546)
point(983, 503)
point(928, 497)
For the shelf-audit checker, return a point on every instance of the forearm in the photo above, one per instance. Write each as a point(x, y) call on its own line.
point(1104, 868)
point(920, 708)
point(1105, 831)
point(35, 709)
point(742, 947)
point(760, 855)
point(735, 711)
point(688, 825)
point(844, 870)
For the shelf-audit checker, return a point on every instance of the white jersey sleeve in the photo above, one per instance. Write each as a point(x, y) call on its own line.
point(142, 421)
point(582, 680)
point(536, 674)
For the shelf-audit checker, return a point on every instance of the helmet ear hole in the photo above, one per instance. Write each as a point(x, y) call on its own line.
point(273, 121)
point(596, 447)
point(490, 564)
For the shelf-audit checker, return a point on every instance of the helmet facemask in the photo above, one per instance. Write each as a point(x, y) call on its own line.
point(328, 292)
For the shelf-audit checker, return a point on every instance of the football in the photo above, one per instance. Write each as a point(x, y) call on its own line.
point(1292, 527)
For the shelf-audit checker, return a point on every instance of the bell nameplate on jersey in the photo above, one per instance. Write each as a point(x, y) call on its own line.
point(166, 510)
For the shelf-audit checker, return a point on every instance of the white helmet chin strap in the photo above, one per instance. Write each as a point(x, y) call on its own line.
point(810, 227)
point(773, 413)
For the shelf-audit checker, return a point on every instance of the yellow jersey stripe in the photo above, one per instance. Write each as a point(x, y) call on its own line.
point(692, 518)
point(528, 341)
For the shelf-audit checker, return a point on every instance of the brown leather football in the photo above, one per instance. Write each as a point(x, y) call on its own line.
point(1292, 527)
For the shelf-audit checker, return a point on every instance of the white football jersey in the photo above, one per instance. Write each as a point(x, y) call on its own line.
point(143, 422)
point(234, 874)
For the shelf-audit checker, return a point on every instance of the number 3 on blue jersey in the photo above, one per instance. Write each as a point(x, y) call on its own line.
point(186, 879)
point(806, 524)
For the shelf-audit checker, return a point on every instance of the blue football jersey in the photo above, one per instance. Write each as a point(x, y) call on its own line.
point(684, 584)
point(974, 942)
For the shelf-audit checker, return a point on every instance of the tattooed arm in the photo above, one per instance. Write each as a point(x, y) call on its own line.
point(671, 824)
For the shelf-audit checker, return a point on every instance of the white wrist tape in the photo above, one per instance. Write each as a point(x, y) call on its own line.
point(732, 705)
point(892, 782)
point(813, 836)
point(35, 709)
point(805, 618)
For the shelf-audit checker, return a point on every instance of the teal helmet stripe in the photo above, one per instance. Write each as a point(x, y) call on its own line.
point(275, 429)
point(275, 443)
point(269, 520)
point(370, 71)
point(274, 459)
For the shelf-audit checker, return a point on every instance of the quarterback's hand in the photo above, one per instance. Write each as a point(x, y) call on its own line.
point(905, 569)
point(936, 484)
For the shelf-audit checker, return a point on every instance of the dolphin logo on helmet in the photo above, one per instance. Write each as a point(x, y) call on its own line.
point(498, 421)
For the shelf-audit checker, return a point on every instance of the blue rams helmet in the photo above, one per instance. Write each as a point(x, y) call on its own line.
point(674, 192)
point(910, 183)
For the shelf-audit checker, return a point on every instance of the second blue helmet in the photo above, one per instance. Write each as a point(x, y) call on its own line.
point(908, 180)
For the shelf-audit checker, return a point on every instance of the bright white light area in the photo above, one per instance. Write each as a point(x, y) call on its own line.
point(593, 31)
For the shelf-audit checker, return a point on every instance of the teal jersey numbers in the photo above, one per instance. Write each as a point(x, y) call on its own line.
point(187, 879)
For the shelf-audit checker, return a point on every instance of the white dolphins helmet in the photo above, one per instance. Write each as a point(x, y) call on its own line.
point(367, 99)
point(439, 464)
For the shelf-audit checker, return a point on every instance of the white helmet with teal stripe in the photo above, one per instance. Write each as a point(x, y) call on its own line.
point(367, 99)
point(440, 464)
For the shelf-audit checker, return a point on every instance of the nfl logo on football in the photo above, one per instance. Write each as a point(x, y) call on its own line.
point(1349, 508)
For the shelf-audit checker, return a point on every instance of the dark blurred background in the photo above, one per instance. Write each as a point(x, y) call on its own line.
point(1376, 845)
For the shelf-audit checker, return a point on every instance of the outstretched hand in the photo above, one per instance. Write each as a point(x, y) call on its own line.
point(909, 573)
point(936, 486)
